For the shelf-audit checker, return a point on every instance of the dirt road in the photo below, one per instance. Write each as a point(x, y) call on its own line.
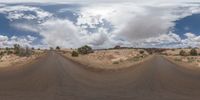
point(55, 78)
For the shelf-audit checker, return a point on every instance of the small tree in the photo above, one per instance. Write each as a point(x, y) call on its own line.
point(17, 49)
point(75, 54)
point(85, 50)
point(183, 53)
point(20, 51)
point(193, 52)
point(57, 48)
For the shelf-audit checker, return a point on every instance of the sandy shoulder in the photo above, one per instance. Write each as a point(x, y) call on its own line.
point(9, 61)
point(183, 62)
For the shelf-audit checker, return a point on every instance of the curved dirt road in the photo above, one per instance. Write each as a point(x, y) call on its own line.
point(56, 78)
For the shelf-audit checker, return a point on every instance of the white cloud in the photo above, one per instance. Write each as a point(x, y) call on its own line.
point(191, 40)
point(25, 27)
point(5, 41)
point(95, 39)
point(171, 40)
point(18, 12)
point(3, 38)
point(60, 32)
point(138, 22)
point(145, 23)
point(190, 35)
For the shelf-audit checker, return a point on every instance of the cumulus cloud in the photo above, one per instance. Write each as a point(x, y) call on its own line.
point(133, 22)
point(25, 27)
point(20, 12)
point(3, 38)
point(106, 25)
point(171, 40)
point(95, 39)
point(191, 40)
point(24, 41)
point(60, 32)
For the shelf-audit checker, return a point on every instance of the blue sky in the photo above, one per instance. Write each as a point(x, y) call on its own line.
point(100, 25)
point(188, 24)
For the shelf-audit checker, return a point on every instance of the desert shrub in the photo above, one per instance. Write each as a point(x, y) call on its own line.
point(183, 53)
point(1, 54)
point(141, 52)
point(85, 50)
point(7, 49)
point(193, 52)
point(9, 52)
point(115, 62)
point(75, 54)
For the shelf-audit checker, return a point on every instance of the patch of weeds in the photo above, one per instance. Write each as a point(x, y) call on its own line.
point(176, 59)
point(136, 58)
point(115, 62)
point(190, 60)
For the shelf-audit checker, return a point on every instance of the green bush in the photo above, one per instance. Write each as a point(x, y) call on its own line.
point(193, 52)
point(75, 54)
point(85, 50)
point(183, 53)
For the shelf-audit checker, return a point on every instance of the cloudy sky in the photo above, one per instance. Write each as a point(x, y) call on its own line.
point(100, 23)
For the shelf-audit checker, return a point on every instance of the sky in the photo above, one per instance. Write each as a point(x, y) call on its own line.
point(100, 23)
